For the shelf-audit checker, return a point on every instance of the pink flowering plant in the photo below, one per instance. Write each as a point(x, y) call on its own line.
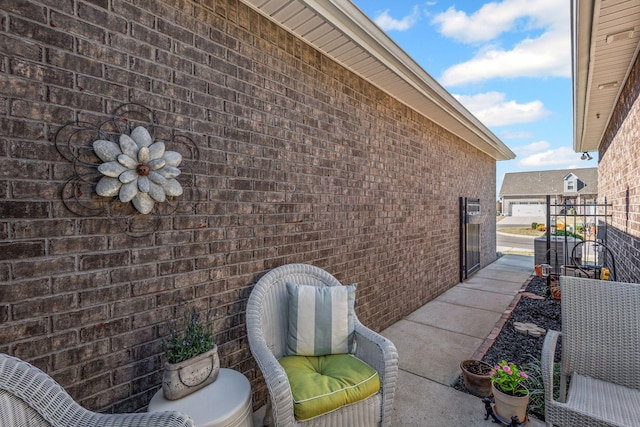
point(509, 379)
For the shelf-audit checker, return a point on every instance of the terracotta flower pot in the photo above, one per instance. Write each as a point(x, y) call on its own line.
point(476, 378)
point(508, 406)
point(184, 378)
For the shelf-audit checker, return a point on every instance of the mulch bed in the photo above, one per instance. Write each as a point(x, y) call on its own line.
point(516, 347)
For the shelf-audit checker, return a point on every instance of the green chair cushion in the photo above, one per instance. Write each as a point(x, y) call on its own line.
point(322, 384)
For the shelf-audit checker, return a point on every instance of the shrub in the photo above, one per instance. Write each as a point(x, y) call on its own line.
point(534, 225)
point(541, 227)
point(197, 338)
point(568, 234)
point(536, 387)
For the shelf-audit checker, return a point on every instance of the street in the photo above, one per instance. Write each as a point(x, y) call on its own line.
point(513, 243)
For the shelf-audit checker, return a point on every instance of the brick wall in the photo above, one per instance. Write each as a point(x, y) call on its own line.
point(300, 161)
point(618, 179)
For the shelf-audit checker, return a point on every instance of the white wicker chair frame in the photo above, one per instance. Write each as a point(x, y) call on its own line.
point(600, 339)
point(31, 398)
point(267, 330)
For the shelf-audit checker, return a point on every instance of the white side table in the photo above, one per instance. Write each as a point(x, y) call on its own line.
point(226, 402)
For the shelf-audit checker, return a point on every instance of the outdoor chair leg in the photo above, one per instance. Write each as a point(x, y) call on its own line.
point(267, 421)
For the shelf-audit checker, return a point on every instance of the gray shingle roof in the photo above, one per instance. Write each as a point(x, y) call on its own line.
point(541, 183)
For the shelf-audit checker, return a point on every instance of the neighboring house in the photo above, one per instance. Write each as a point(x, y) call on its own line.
point(606, 89)
point(525, 193)
point(320, 141)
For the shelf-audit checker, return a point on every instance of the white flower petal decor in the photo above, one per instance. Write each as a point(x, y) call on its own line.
point(172, 188)
point(138, 170)
point(108, 187)
point(107, 151)
point(123, 169)
point(172, 158)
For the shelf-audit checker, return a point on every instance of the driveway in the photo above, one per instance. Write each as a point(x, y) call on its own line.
point(519, 221)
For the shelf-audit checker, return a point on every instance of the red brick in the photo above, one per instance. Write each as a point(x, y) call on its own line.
point(104, 260)
point(33, 308)
point(26, 8)
point(30, 269)
point(134, 338)
point(21, 250)
point(15, 331)
point(15, 47)
point(74, 319)
point(100, 330)
point(42, 33)
point(100, 14)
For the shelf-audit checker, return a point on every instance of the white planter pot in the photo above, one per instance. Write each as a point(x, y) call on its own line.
point(182, 379)
point(507, 406)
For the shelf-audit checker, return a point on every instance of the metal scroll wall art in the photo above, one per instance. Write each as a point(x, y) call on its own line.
point(127, 168)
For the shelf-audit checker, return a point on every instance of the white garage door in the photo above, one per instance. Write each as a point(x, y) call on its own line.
point(529, 210)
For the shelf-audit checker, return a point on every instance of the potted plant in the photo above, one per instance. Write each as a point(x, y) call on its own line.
point(192, 358)
point(476, 377)
point(509, 392)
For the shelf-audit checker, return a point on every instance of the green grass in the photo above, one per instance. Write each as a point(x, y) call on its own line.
point(516, 252)
point(522, 231)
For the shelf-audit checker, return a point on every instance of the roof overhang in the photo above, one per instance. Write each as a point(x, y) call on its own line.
point(344, 33)
point(605, 44)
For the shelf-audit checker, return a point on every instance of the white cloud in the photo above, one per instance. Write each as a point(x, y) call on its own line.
point(516, 134)
point(533, 148)
point(495, 18)
point(388, 23)
point(493, 109)
point(548, 54)
point(563, 156)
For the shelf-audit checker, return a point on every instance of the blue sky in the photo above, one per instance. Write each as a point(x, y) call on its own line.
point(508, 62)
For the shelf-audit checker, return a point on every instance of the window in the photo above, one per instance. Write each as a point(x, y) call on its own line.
point(570, 183)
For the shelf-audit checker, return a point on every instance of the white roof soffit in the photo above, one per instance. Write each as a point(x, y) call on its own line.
point(341, 31)
point(606, 39)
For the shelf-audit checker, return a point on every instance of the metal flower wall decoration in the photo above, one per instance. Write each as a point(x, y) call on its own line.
point(123, 169)
point(138, 170)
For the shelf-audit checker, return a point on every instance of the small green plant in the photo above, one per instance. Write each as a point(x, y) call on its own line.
point(568, 234)
point(197, 338)
point(536, 385)
point(509, 379)
point(534, 225)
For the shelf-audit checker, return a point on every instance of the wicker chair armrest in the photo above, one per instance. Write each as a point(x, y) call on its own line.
point(278, 385)
point(273, 373)
point(34, 389)
point(379, 353)
point(156, 419)
point(547, 361)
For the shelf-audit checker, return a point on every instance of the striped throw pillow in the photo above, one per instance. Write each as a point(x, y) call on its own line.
point(321, 319)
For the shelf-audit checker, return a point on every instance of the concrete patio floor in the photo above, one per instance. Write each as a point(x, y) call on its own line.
point(433, 340)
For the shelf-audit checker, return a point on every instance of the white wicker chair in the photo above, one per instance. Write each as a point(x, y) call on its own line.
point(31, 398)
point(600, 340)
point(267, 331)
